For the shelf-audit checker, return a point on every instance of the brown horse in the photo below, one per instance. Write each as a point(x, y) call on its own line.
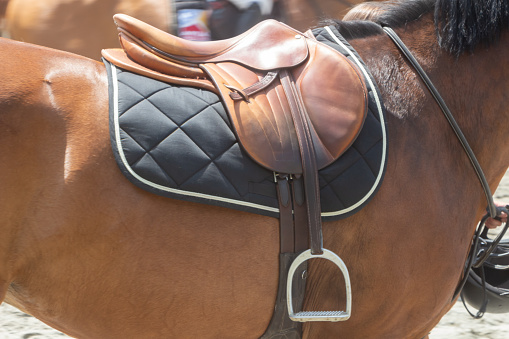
point(81, 27)
point(86, 27)
point(90, 254)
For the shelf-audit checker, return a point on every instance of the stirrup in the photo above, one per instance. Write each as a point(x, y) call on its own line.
point(319, 315)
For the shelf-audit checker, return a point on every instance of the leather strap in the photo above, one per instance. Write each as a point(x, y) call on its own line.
point(300, 215)
point(492, 209)
point(281, 326)
point(244, 94)
point(309, 168)
point(286, 228)
point(304, 224)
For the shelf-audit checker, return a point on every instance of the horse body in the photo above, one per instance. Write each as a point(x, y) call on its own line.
point(76, 153)
point(95, 257)
point(82, 27)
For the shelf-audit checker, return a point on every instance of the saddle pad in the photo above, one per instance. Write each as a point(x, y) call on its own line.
point(178, 142)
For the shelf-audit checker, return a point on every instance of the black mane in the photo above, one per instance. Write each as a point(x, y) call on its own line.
point(464, 24)
point(461, 25)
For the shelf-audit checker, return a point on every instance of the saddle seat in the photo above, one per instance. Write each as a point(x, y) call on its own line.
point(283, 44)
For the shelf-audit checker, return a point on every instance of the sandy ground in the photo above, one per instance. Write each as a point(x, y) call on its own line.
point(457, 324)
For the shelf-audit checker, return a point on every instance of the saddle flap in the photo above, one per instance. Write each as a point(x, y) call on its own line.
point(263, 124)
point(266, 46)
point(335, 96)
point(332, 92)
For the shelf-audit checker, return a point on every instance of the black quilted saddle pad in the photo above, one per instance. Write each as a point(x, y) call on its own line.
point(178, 142)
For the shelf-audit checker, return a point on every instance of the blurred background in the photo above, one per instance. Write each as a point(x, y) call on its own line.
point(86, 26)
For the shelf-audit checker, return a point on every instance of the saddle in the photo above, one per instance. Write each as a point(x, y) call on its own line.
point(296, 106)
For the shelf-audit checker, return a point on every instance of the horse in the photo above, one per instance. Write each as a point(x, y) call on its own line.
point(80, 27)
point(85, 27)
point(90, 254)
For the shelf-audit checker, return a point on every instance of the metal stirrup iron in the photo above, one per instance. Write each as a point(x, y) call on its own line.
point(304, 316)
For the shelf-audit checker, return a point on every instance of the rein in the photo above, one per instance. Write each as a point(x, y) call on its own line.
point(475, 258)
point(457, 130)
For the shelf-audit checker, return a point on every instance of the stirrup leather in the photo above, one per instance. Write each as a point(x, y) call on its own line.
point(332, 316)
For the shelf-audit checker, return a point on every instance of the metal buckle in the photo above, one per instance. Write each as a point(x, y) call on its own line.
point(319, 315)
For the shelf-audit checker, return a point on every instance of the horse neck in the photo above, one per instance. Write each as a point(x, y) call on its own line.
point(430, 195)
point(474, 86)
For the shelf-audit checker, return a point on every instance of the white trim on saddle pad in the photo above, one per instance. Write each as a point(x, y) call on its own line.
point(382, 122)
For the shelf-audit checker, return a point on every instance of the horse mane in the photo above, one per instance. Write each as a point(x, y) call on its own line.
point(461, 25)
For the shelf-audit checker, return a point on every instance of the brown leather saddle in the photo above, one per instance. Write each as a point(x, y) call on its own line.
point(295, 104)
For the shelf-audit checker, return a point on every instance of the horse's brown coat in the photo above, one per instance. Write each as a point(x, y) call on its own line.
point(85, 26)
point(90, 254)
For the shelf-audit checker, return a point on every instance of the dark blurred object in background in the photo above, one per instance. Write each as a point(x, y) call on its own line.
point(192, 20)
point(231, 18)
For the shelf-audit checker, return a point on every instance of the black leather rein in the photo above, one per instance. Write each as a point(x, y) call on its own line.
point(493, 211)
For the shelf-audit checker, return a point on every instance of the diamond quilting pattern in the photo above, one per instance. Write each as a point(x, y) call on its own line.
point(155, 121)
point(181, 138)
point(177, 149)
point(198, 126)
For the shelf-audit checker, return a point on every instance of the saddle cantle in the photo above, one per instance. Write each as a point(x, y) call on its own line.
point(295, 105)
